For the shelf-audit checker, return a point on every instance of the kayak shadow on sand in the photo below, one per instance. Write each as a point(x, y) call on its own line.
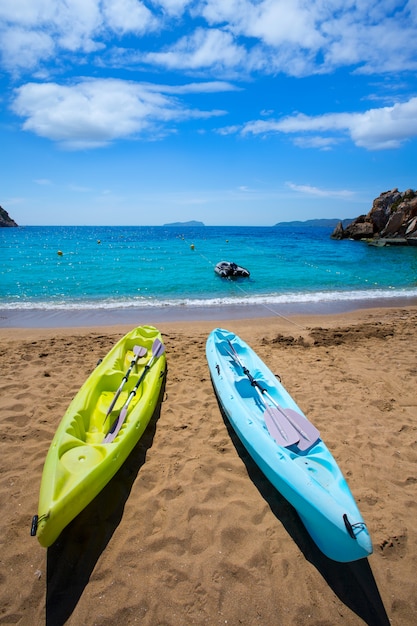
point(72, 558)
point(353, 583)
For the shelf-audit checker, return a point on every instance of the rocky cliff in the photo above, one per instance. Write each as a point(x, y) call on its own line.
point(392, 219)
point(5, 220)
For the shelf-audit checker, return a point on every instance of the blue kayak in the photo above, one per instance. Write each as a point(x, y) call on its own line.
point(287, 447)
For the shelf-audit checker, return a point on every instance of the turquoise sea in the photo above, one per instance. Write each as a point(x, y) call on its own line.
point(117, 269)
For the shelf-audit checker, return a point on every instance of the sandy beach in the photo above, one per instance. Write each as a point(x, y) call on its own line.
point(189, 532)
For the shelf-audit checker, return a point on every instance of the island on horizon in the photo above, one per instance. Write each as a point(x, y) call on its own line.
point(330, 223)
point(191, 223)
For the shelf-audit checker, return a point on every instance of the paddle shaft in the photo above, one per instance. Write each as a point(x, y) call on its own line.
point(247, 373)
point(136, 387)
point(132, 394)
point(139, 352)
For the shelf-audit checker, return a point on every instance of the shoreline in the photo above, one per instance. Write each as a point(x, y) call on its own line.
point(75, 318)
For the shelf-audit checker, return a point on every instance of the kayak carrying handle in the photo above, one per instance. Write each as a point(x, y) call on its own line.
point(35, 522)
point(351, 527)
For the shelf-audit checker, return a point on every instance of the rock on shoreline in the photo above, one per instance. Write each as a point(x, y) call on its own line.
point(392, 219)
point(5, 219)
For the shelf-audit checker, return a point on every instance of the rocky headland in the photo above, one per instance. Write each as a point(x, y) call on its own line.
point(392, 220)
point(5, 219)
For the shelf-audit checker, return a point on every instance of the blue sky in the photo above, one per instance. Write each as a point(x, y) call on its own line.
point(244, 112)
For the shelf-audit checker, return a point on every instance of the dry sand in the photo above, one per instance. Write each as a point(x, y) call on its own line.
point(189, 531)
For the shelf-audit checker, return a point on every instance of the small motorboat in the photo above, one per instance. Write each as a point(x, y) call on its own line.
point(225, 269)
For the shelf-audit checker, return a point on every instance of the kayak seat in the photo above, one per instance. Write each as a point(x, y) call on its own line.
point(244, 388)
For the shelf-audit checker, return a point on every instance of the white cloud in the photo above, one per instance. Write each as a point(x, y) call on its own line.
point(315, 141)
point(387, 127)
point(298, 38)
point(228, 130)
point(24, 48)
point(203, 49)
point(303, 37)
point(321, 193)
point(212, 37)
point(173, 7)
point(92, 113)
point(375, 129)
point(127, 16)
point(27, 12)
point(279, 22)
point(32, 32)
point(208, 87)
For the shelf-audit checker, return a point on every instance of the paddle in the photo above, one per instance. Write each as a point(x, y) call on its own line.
point(138, 351)
point(283, 436)
point(158, 348)
point(309, 433)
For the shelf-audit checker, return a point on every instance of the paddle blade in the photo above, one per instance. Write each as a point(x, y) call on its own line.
point(139, 351)
point(123, 414)
point(307, 432)
point(280, 428)
point(112, 434)
point(158, 348)
point(109, 437)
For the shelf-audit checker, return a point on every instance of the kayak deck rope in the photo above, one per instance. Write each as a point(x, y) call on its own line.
point(237, 286)
point(266, 306)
